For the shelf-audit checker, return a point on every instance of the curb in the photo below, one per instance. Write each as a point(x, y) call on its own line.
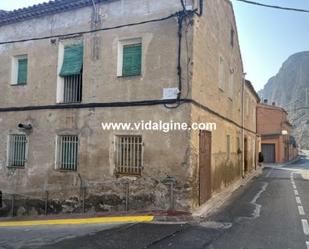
point(80, 221)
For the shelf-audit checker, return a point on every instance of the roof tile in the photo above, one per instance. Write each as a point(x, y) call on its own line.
point(43, 9)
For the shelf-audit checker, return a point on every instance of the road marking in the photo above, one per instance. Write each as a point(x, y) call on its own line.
point(305, 226)
point(301, 210)
point(97, 220)
point(307, 244)
point(298, 201)
point(268, 174)
point(257, 211)
point(295, 192)
point(294, 186)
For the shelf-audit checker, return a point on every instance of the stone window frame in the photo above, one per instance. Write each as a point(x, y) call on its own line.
point(8, 150)
point(14, 69)
point(57, 140)
point(115, 151)
point(60, 80)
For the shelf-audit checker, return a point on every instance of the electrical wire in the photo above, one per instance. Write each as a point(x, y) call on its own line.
point(90, 31)
point(273, 6)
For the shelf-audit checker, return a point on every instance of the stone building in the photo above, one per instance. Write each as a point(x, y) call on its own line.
point(278, 144)
point(67, 66)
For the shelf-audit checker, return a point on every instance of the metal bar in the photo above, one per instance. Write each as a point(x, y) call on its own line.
point(127, 193)
point(46, 202)
point(83, 196)
point(13, 205)
point(172, 204)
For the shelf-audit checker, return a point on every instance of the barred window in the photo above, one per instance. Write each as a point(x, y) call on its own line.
point(72, 73)
point(129, 154)
point(67, 152)
point(17, 150)
point(72, 92)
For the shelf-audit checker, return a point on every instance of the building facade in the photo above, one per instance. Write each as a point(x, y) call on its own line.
point(278, 144)
point(68, 66)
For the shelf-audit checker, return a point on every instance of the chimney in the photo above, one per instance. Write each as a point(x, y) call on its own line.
point(274, 103)
point(265, 101)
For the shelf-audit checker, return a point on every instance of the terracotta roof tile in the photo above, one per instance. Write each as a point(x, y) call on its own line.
point(43, 9)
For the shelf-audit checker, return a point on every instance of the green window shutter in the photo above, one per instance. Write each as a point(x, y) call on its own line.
point(72, 60)
point(132, 60)
point(22, 71)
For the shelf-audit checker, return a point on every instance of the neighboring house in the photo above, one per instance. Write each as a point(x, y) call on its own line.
point(251, 142)
point(69, 65)
point(278, 145)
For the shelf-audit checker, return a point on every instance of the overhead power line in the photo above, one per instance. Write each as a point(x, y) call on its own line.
point(90, 31)
point(274, 6)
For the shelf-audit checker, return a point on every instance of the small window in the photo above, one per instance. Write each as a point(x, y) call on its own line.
point(67, 152)
point(232, 37)
point(71, 73)
point(228, 146)
point(129, 155)
point(221, 74)
point(231, 85)
point(130, 58)
point(20, 70)
point(17, 150)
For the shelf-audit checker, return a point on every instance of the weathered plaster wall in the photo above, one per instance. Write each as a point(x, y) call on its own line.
point(211, 40)
point(164, 154)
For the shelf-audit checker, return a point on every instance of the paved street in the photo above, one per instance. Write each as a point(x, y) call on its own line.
point(270, 212)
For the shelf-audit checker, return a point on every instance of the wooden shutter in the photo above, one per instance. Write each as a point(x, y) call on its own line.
point(132, 60)
point(22, 71)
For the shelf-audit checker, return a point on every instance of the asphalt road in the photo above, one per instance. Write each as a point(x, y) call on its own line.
point(271, 212)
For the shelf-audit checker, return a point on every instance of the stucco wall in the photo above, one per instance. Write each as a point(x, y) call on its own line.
point(164, 154)
point(211, 40)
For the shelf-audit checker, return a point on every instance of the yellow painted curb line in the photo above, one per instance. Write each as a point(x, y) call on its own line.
point(97, 220)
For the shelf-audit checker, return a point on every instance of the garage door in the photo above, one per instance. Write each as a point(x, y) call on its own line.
point(269, 153)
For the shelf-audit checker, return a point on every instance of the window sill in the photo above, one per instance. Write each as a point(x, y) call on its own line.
point(66, 171)
point(70, 103)
point(129, 76)
point(25, 84)
point(16, 167)
point(128, 175)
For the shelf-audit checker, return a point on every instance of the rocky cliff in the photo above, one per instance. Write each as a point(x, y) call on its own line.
point(288, 90)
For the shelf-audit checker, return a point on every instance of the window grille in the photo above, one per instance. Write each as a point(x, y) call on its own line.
point(17, 150)
point(73, 88)
point(67, 152)
point(129, 155)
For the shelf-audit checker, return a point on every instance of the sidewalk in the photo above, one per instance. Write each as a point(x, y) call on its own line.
point(219, 199)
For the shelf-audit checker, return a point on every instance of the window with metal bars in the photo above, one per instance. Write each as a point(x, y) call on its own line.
point(67, 152)
point(17, 150)
point(129, 154)
point(72, 91)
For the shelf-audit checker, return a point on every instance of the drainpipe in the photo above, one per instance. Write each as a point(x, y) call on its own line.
point(242, 170)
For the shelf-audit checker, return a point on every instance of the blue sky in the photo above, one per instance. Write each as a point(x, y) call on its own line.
point(267, 36)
